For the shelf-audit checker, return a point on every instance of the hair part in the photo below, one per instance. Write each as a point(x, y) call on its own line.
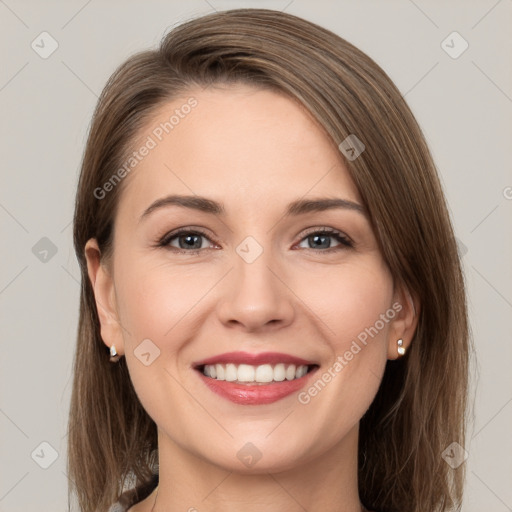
point(420, 406)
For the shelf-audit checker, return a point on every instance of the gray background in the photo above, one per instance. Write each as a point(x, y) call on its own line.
point(463, 104)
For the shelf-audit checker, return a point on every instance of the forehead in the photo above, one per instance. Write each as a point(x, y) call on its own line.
point(238, 144)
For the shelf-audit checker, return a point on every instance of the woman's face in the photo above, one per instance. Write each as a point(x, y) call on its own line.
point(247, 281)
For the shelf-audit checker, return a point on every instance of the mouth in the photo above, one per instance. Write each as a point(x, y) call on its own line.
point(255, 379)
point(261, 374)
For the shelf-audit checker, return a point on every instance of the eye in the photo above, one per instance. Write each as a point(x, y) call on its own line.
point(321, 239)
point(190, 241)
point(184, 240)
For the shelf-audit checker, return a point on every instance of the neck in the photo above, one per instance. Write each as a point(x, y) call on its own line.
point(327, 483)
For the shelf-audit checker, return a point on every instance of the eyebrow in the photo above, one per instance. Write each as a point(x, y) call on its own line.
point(295, 208)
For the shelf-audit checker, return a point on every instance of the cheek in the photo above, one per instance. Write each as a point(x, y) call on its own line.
point(349, 301)
point(352, 305)
point(156, 303)
point(154, 300)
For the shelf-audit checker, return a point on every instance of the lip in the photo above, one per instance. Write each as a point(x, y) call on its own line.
point(253, 359)
point(255, 394)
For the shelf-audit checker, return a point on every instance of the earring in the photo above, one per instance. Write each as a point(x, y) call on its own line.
point(114, 356)
point(401, 348)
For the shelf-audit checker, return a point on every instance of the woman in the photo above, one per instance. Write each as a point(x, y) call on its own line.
point(267, 256)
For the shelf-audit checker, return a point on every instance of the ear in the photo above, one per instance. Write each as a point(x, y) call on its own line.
point(104, 294)
point(403, 326)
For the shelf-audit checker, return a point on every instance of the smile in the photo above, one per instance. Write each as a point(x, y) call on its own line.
point(264, 373)
point(255, 379)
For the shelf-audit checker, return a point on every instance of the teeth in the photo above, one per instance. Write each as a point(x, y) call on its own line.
point(220, 371)
point(301, 371)
point(231, 373)
point(264, 373)
point(290, 372)
point(279, 373)
point(248, 373)
point(245, 373)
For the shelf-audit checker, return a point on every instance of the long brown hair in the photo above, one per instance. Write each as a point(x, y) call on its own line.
point(420, 407)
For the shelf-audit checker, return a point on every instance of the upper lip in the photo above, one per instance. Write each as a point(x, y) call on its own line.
point(253, 359)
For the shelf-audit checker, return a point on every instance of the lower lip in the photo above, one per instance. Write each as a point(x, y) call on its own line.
point(255, 394)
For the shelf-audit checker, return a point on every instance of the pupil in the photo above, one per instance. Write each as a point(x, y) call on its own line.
point(189, 241)
point(316, 238)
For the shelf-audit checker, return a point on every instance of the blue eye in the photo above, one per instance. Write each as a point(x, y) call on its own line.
point(188, 241)
point(191, 241)
point(321, 240)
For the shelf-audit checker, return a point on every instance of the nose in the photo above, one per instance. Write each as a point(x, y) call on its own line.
point(256, 296)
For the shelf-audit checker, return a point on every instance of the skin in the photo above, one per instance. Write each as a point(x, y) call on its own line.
point(255, 151)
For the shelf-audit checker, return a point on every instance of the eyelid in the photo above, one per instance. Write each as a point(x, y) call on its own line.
point(326, 229)
point(167, 237)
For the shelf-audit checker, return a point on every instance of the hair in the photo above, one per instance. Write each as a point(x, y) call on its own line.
point(420, 407)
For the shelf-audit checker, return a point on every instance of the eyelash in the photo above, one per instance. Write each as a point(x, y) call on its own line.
point(340, 237)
